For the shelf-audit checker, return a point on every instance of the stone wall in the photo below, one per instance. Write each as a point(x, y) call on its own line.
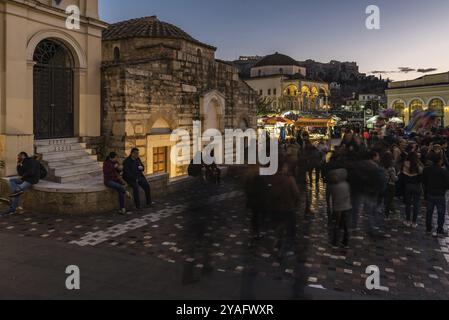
point(45, 198)
point(165, 80)
point(97, 144)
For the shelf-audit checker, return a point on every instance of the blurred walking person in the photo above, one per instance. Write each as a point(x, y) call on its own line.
point(436, 183)
point(323, 150)
point(283, 197)
point(374, 185)
point(392, 179)
point(340, 201)
point(256, 195)
point(412, 173)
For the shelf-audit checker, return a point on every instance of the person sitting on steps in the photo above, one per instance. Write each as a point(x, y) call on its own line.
point(133, 174)
point(113, 179)
point(29, 171)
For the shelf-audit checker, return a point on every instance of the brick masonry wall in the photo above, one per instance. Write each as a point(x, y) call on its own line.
point(97, 144)
point(165, 80)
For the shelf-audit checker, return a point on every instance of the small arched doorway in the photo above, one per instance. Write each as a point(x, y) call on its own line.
point(243, 124)
point(211, 120)
point(53, 91)
point(212, 111)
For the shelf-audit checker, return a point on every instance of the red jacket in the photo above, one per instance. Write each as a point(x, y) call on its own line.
point(366, 135)
point(110, 172)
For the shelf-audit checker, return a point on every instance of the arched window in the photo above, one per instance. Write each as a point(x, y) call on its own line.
point(305, 91)
point(160, 127)
point(437, 105)
point(291, 90)
point(416, 105)
point(323, 92)
point(53, 53)
point(116, 54)
point(399, 108)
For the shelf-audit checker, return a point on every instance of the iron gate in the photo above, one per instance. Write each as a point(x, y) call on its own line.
point(53, 92)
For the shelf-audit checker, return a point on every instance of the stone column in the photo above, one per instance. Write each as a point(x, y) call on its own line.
point(446, 116)
point(80, 97)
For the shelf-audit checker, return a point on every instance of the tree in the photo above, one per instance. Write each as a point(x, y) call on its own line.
point(264, 106)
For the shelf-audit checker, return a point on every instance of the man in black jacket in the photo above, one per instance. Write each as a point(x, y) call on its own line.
point(133, 174)
point(436, 183)
point(29, 173)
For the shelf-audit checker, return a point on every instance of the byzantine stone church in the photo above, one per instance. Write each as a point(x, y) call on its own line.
point(73, 95)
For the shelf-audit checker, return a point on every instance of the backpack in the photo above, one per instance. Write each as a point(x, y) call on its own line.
point(194, 170)
point(43, 171)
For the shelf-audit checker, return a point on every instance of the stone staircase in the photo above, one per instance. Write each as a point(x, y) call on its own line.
point(69, 161)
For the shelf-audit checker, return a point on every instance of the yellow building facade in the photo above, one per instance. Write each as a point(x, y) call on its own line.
point(430, 92)
point(50, 76)
point(283, 83)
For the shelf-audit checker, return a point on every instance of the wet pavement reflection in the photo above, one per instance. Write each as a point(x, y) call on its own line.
point(210, 229)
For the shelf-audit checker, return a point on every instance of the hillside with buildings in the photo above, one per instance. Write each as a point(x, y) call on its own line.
point(344, 78)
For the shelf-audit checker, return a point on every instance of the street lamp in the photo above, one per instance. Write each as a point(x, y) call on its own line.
point(364, 116)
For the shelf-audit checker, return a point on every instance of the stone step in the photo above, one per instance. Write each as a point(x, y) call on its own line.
point(49, 142)
point(69, 161)
point(59, 148)
point(80, 177)
point(77, 169)
point(72, 161)
point(77, 161)
point(54, 156)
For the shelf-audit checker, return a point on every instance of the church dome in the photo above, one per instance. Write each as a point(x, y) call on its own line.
point(276, 59)
point(147, 27)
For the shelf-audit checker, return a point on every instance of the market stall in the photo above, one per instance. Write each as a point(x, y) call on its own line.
point(318, 128)
point(277, 126)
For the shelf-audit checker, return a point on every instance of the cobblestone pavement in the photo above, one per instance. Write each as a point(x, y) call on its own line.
point(412, 264)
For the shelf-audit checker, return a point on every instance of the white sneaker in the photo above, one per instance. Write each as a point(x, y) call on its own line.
point(414, 225)
point(122, 212)
point(407, 224)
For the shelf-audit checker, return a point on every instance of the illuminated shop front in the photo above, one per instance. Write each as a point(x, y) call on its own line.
point(428, 93)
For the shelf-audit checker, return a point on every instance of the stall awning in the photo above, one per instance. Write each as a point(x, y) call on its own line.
point(317, 123)
point(276, 120)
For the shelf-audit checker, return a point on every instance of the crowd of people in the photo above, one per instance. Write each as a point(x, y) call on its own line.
point(368, 174)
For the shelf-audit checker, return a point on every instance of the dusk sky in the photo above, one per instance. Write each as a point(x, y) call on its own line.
point(413, 34)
